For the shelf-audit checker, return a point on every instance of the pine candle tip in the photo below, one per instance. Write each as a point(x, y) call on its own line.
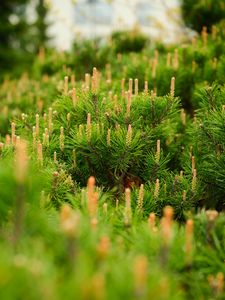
point(172, 87)
point(21, 161)
point(189, 224)
point(91, 181)
point(151, 221)
point(136, 86)
point(168, 212)
point(157, 187)
point(140, 273)
point(157, 151)
point(193, 164)
point(131, 86)
point(129, 135)
point(140, 198)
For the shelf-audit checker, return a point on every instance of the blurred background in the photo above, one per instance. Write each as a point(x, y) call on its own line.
point(160, 19)
point(28, 25)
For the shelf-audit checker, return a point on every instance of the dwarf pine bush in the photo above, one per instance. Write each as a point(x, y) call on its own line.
point(112, 173)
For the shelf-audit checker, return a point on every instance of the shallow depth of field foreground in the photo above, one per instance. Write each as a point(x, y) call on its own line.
point(112, 161)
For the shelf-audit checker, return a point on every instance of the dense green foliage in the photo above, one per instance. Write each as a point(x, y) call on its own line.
point(197, 14)
point(149, 126)
point(129, 41)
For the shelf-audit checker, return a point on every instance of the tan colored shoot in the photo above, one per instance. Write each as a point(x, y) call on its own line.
point(61, 139)
point(157, 187)
point(21, 161)
point(95, 80)
point(55, 157)
point(13, 133)
point(166, 225)
point(158, 150)
point(37, 125)
point(87, 81)
point(34, 139)
point(140, 198)
point(92, 197)
point(136, 87)
point(40, 154)
point(131, 86)
point(189, 240)
point(88, 128)
point(194, 181)
point(127, 211)
point(7, 140)
point(151, 222)
point(192, 164)
point(140, 271)
point(172, 87)
point(129, 135)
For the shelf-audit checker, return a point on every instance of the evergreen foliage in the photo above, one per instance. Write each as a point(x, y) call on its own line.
point(197, 14)
point(112, 174)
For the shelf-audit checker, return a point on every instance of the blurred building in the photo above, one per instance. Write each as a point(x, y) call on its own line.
point(160, 19)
